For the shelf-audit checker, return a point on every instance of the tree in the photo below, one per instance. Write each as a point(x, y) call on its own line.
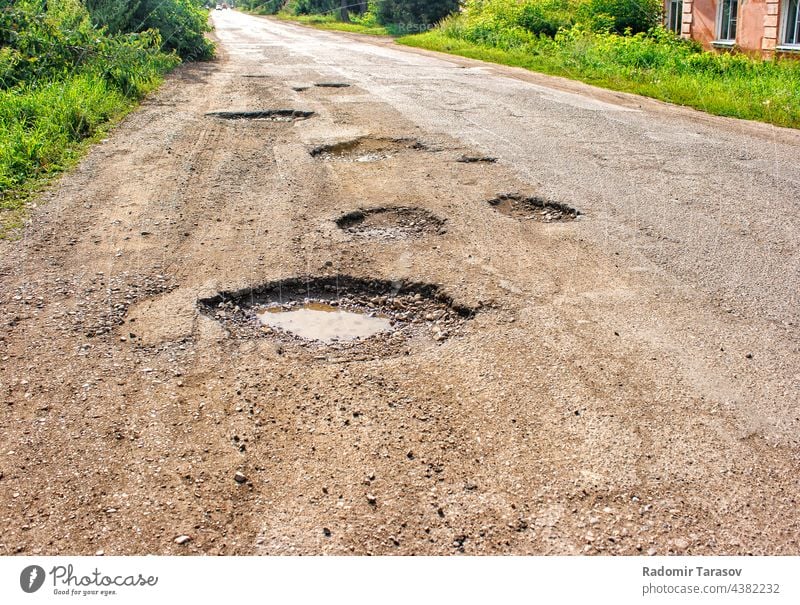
point(419, 14)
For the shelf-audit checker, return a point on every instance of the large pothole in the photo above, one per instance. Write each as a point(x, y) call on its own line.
point(533, 208)
point(397, 222)
point(271, 115)
point(332, 85)
point(343, 313)
point(365, 149)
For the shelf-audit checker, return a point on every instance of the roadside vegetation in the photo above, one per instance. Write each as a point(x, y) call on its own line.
point(621, 45)
point(616, 44)
point(375, 17)
point(69, 69)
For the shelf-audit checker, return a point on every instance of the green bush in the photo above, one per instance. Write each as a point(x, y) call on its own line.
point(546, 17)
point(116, 15)
point(181, 23)
point(620, 16)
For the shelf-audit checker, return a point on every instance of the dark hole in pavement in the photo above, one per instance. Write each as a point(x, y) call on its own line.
point(272, 115)
point(300, 88)
point(256, 76)
point(391, 223)
point(342, 312)
point(533, 208)
point(332, 85)
point(365, 149)
point(476, 159)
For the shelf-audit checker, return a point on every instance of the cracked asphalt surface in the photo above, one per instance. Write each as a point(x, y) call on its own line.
point(626, 384)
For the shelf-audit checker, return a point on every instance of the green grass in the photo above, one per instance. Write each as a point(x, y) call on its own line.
point(329, 22)
point(658, 67)
point(46, 129)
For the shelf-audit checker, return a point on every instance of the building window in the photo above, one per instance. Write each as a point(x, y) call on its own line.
point(791, 22)
point(726, 18)
point(675, 15)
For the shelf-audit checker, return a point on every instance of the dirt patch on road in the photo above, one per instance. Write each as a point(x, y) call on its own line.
point(391, 223)
point(533, 208)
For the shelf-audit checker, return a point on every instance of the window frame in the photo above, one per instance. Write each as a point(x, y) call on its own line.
point(678, 4)
point(720, 10)
point(784, 26)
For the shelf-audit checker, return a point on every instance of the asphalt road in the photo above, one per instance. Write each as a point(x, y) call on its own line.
point(622, 383)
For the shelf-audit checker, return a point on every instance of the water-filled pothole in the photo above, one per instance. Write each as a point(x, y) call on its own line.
point(533, 208)
point(365, 149)
point(332, 85)
point(272, 115)
point(324, 322)
point(376, 317)
point(396, 222)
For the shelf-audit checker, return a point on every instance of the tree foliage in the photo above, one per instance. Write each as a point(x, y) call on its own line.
point(417, 14)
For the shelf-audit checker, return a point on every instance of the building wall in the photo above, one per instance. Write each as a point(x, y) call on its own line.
point(772, 15)
point(704, 21)
point(757, 30)
point(751, 29)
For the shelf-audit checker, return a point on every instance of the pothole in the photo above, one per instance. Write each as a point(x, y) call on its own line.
point(365, 149)
point(533, 208)
point(476, 159)
point(332, 85)
point(272, 115)
point(340, 313)
point(391, 223)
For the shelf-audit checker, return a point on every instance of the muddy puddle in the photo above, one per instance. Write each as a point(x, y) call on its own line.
point(270, 115)
point(324, 322)
point(365, 149)
point(391, 223)
point(342, 314)
point(533, 208)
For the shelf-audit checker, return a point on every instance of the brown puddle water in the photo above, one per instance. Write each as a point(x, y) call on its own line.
point(325, 323)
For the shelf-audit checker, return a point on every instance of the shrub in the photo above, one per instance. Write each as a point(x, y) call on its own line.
point(546, 17)
point(181, 23)
point(621, 16)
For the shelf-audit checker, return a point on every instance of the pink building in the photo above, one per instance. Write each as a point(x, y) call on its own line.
point(756, 26)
